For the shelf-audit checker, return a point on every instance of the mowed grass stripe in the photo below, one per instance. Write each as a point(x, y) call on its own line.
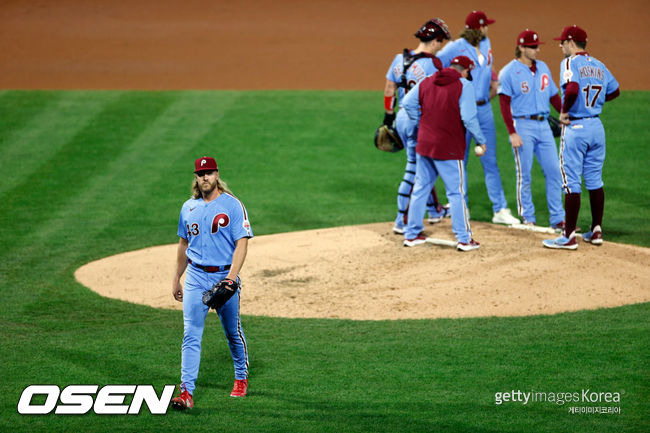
point(17, 109)
point(160, 160)
point(48, 130)
point(38, 199)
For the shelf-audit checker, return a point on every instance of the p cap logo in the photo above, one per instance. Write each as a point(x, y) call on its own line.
point(203, 162)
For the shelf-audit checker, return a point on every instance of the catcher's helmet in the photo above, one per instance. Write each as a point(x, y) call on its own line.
point(435, 28)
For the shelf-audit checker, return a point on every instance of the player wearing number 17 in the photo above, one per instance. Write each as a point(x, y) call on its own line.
point(586, 84)
point(214, 230)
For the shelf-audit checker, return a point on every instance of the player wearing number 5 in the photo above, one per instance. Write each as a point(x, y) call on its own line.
point(525, 89)
point(214, 230)
point(586, 84)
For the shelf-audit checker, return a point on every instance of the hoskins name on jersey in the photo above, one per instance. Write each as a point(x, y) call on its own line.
point(591, 72)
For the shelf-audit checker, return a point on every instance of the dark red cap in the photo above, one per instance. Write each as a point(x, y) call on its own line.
point(528, 38)
point(463, 61)
point(573, 33)
point(466, 63)
point(205, 164)
point(477, 19)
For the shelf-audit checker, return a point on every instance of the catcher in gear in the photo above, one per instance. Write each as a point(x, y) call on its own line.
point(406, 70)
point(220, 293)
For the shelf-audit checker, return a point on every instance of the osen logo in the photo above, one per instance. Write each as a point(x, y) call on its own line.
point(80, 399)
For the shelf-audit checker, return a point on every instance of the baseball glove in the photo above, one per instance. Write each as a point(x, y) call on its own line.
point(555, 125)
point(220, 293)
point(387, 139)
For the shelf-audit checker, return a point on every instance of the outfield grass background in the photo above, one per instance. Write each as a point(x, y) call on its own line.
point(84, 175)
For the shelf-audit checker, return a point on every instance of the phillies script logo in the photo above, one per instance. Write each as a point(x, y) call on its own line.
point(220, 221)
point(545, 82)
point(80, 399)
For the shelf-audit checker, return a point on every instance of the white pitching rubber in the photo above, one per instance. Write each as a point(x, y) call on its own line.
point(443, 242)
point(530, 228)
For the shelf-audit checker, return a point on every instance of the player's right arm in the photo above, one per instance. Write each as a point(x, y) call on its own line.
point(390, 90)
point(506, 93)
point(469, 113)
point(181, 265)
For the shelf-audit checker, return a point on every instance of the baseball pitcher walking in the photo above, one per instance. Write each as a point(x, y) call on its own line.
point(406, 70)
point(475, 44)
point(586, 84)
point(525, 89)
point(214, 230)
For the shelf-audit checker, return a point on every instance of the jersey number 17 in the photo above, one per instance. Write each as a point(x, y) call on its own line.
point(587, 90)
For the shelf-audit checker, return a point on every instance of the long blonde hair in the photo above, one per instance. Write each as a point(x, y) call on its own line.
point(196, 191)
point(473, 36)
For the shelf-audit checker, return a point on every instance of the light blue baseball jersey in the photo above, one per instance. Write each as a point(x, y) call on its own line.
point(419, 70)
point(594, 80)
point(530, 92)
point(482, 73)
point(212, 229)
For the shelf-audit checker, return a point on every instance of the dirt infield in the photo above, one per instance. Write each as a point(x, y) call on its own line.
point(284, 44)
point(364, 273)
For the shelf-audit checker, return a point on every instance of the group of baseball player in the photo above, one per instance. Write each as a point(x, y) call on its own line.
point(443, 94)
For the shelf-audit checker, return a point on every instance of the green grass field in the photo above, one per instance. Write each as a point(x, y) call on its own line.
point(84, 175)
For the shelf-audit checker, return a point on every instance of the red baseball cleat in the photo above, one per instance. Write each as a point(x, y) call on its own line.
point(419, 240)
point(183, 400)
point(469, 246)
point(240, 388)
point(595, 236)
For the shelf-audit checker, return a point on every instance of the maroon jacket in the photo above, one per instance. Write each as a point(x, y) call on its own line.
point(442, 132)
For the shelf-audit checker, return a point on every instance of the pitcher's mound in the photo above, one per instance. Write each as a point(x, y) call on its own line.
point(364, 273)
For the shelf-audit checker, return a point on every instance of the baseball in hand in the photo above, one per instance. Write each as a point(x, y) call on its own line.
point(479, 150)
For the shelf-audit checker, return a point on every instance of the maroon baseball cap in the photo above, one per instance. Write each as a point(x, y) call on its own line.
point(528, 38)
point(466, 63)
point(205, 164)
point(477, 19)
point(573, 33)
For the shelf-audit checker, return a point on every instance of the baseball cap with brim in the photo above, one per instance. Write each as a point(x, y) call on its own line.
point(205, 163)
point(528, 38)
point(477, 19)
point(466, 63)
point(573, 33)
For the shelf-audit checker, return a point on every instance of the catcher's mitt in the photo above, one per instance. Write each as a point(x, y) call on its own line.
point(387, 139)
point(555, 125)
point(220, 293)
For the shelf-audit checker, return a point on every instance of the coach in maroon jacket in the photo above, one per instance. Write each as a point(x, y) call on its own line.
point(447, 105)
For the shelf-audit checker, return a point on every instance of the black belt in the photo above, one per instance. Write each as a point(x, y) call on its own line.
point(481, 102)
point(539, 117)
point(588, 117)
point(210, 269)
